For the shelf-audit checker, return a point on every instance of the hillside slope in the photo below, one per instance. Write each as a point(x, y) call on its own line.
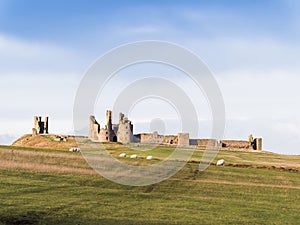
point(49, 141)
point(59, 187)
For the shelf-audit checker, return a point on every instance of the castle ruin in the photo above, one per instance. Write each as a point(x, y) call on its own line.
point(123, 133)
point(40, 127)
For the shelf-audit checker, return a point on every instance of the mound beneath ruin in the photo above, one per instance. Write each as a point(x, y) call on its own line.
point(49, 141)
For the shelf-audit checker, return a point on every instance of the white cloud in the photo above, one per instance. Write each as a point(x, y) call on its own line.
point(18, 55)
point(265, 104)
point(36, 79)
point(253, 53)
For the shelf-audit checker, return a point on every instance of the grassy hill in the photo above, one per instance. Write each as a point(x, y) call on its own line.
point(48, 141)
point(42, 186)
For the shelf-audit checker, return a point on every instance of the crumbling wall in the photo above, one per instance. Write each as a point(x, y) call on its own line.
point(109, 134)
point(41, 127)
point(104, 135)
point(259, 144)
point(125, 130)
point(236, 144)
point(152, 138)
point(204, 143)
point(170, 139)
point(94, 129)
point(183, 139)
point(251, 144)
point(34, 132)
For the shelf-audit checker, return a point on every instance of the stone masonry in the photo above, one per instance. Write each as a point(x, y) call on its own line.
point(40, 127)
point(123, 133)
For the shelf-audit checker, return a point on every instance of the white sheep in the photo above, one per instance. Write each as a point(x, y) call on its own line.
point(123, 155)
point(149, 157)
point(74, 149)
point(134, 156)
point(220, 162)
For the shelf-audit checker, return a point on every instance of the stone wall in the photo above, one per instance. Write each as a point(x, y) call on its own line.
point(94, 129)
point(41, 127)
point(125, 130)
point(259, 144)
point(183, 139)
point(203, 143)
point(239, 144)
point(152, 138)
point(170, 140)
point(121, 132)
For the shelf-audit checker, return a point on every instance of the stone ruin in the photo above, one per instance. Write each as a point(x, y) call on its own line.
point(251, 144)
point(181, 139)
point(123, 133)
point(40, 127)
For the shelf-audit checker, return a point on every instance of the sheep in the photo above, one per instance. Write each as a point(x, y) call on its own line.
point(221, 162)
point(74, 149)
point(134, 156)
point(123, 155)
point(149, 157)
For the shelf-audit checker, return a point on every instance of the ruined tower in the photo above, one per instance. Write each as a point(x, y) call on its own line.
point(109, 130)
point(259, 144)
point(40, 127)
point(183, 139)
point(125, 130)
point(94, 129)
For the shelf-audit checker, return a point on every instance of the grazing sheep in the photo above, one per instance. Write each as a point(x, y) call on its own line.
point(134, 156)
point(123, 155)
point(221, 162)
point(149, 157)
point(74, 149)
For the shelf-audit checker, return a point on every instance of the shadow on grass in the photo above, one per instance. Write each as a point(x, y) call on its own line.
point(31, 217)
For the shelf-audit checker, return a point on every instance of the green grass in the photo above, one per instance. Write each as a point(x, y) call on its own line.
point(31, 149)
point(227, 195)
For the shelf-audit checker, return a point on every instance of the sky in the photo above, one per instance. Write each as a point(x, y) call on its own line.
point(251, 47)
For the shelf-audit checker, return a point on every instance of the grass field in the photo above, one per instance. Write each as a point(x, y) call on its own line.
point(58, 187)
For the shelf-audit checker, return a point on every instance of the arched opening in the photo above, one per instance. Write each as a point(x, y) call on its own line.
point(171, 142)
point(115, 139)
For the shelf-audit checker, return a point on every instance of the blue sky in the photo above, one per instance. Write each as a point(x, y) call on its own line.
point(252, 47)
